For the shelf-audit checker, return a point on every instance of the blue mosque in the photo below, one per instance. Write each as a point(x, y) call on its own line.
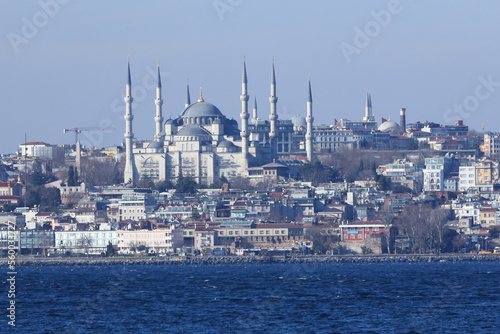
point(206, 145)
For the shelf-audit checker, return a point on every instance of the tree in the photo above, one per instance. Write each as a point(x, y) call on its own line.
point(32, 197)
point(390, 231)
point(459, 242)
point(145, 182)
point(8, 207)
point(71, 177)
point(219, 183)
point(321, 242)
point(186, 185)
point(38, 178)
point(493, 233)
point(424, 227)
point(46, 198)
point(110, 250)
point(383, 182)
point(85, 242)
point(101, 172)
point(195, 214)
point(51, 198)
point(401, 189)
point(318, 173)
point(412, 144)
point(447, 245)
point(164, 186)
point(240, 183)
point(437, 221)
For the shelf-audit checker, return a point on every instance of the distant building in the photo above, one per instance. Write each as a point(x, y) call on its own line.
point(41, 150)
point(434, 172)
point(467, 176)
point(330, 139)
point(204, 144)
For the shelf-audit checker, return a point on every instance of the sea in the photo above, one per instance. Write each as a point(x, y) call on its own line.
point(441, 297)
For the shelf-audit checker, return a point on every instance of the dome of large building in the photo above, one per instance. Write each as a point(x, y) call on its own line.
point(389, 126)
point(299, 121)
point(225, 143)
point(192, 131)
point(201, 109)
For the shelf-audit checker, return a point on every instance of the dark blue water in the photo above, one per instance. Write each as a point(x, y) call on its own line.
point(273, 298)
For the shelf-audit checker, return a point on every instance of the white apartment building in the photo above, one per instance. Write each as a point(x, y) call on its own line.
point(467, 178)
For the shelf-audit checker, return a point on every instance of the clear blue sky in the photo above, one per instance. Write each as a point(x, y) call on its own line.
point(70, 71)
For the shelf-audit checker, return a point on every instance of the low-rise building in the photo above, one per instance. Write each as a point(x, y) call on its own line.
point(162, 240)
point(87, 242)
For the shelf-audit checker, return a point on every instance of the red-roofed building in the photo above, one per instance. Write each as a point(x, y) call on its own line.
point(12, 189)
point(360, 231)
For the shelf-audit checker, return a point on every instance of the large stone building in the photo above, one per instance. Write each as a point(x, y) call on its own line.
point(206, 145)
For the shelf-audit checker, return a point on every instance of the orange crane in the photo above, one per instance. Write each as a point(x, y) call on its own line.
point(80, 130)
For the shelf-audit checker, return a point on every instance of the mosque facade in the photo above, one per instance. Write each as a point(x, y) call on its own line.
point(204, 144)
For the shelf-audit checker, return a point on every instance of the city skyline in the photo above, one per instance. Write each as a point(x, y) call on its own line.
point(65, 63)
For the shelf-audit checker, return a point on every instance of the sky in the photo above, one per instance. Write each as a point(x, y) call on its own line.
point(63, 63)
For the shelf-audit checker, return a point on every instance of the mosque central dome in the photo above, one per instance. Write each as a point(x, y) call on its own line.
point(201, 109)
point(389, 126)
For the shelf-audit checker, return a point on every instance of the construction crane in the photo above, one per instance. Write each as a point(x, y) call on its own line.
point(80, 130)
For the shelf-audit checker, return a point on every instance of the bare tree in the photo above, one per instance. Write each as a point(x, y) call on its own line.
point(390, 231)
point(437, 221)
point(99, 172)
point(85, 242)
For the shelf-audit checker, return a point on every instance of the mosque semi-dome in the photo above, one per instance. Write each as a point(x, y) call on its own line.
point(191, 130)
point(193, 133)
point(389, 126)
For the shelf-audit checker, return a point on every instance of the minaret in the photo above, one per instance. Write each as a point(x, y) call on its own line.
point(188, 98)
point(368, 109)
point(244, 119)
point(254, 116)
point(402, 120)
point(273, 117)
point(158, 102)
point(78, 159)
point(309, 120)
point(129, 175)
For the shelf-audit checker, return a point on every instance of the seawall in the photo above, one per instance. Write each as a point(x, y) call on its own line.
point(211, 260)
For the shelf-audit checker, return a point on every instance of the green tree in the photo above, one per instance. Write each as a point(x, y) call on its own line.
point(32, 197)
point(46, 198)
point(449, 236)
point(186, 185)
point(412, 144)
point(38, 178)
point(493, 233)
point(383, 182)
point(8, 207)
point(51, 198)
point(218, 183)
point(145, 182)
point(318, 173)
point(71, 177)
point(195, 214)
point(164, 186)
point(361, 166)
point(399, 188)
point(110, 250)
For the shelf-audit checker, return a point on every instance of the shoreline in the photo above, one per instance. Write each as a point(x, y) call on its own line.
point(218, 260)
